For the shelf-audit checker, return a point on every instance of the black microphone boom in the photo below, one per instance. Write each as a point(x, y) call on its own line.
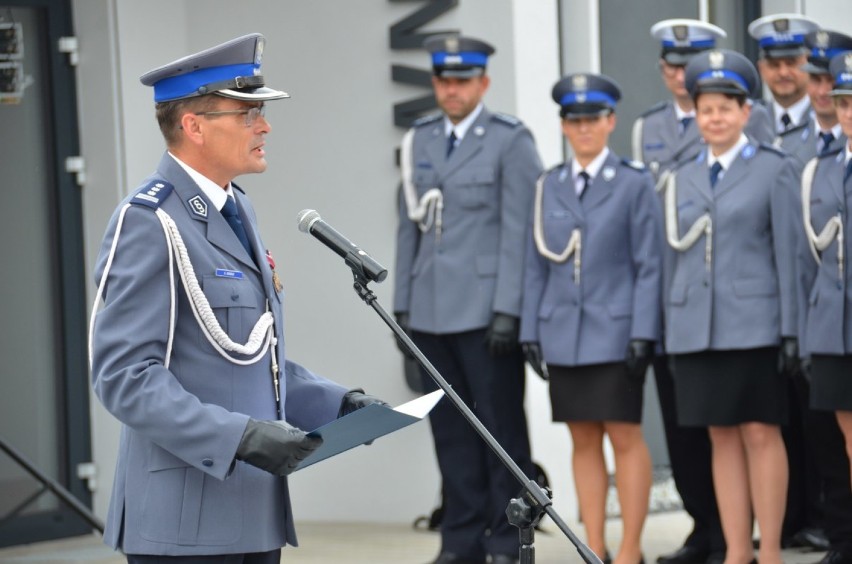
point(360, 262)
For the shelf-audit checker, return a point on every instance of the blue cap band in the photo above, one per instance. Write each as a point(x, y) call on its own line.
point(730, 75)
point(843, 79)
point(827, 53)
point(590, 97)
point(469, 58)
point(183, 85)
point(787, 39)
point(698, 44)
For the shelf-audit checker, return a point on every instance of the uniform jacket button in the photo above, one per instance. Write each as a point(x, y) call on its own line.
point(208, 462)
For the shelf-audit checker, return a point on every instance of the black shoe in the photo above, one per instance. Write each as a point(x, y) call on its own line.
point(716, 558)
point(451, 558)
point(835, 557)
point(504, 559)
point(685, 555)
point(813, 538)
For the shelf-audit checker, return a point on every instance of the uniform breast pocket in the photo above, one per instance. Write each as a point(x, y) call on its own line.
point(425, 178)
point(236, 304)
point(476, 188)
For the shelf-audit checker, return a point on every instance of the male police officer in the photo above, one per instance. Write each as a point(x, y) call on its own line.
point(468, 180)
point(782, 54)
point(187, 348)
point(821, 131)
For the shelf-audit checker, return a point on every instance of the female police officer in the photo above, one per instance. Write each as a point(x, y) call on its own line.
point(592, 292)
point(729, 301)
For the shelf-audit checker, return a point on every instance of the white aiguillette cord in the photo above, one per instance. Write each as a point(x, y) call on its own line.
point(429, 208)
point(575, 243)
point(261, 337)
point(702, 226)
point(832, 229)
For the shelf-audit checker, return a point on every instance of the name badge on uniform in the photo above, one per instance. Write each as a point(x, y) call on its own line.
point(225, 273)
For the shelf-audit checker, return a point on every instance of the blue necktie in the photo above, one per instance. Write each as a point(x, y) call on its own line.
point(714, 173)
point(827, 138)
point(451, 143)
point(585, 176)
point(232, 216)
point(684, 124)
point(786, 121)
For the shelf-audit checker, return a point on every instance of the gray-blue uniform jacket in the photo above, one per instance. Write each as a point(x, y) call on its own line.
point(824, 288)
point(618, 294)
point(177, 488)
point(802, 142)
point(455, 280)
point(742, 297)
point(658, 142)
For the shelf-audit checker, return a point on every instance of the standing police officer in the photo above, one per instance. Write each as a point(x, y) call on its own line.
point(824, 303)
point(821, 132)
point(591, 308)
point(188, 350)
point(782, 55)
point(468, 177)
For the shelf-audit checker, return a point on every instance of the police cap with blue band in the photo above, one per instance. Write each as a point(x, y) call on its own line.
point(682, 38)
point(720, 70)
point(841, 69)
point(457, 56)
point(586, 95)
point(231, 69)
point(782, 35)
point(822, 46)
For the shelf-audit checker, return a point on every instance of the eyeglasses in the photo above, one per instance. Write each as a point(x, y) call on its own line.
point(251, 113)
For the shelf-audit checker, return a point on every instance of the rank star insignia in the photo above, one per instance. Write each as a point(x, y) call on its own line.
point(276, 281)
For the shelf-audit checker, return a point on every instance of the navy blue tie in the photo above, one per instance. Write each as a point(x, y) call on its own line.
point(714, 173)
point(827, 138)
point(786, 121)
point(684, 124)
point(585, 177)
point(451, 143)
point(232, 216)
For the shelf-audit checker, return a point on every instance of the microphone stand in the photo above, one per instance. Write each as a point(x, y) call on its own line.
point(523, 512)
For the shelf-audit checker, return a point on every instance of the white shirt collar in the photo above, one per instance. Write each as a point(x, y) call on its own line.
point(593, 167)
point(848, 153)
point(213, 191)
point(726, 159)
point(796, 112)
point(680, 114)
point(461, 127)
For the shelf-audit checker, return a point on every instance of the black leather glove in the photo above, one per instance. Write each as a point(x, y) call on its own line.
point(532, 354)
point(501, 337)
point(356, 399)
point(402, 320)
point(639, 355)
point(788, 357)
point(275, 446)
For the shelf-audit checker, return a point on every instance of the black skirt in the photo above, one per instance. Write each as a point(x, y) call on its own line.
point(596, 392)
point(723, 388)
point(831, 382)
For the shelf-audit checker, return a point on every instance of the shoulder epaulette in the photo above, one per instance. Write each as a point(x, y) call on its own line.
point(635, 165)
point(658, 107)
point(506, 119)
point(773, 149)
point(831, 153)
point(153, 194)
point(426, 120)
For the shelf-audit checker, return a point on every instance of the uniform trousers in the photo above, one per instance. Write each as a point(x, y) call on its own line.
point(271, 557)
point(477, 487)
point(690, 457)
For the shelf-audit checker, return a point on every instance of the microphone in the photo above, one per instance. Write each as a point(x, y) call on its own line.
point(359, 261)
